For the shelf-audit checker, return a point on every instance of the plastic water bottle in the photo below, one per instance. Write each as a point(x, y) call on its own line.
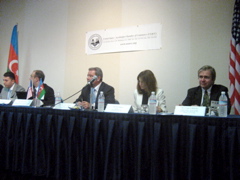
point(223, 105)
point(101, 102)
point(58, 98)
point(152, 109)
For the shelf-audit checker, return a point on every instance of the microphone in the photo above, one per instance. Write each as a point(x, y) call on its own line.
point(92, 80)
point(89, 83)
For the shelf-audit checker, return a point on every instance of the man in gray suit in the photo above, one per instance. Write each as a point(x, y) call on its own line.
point(9, 91)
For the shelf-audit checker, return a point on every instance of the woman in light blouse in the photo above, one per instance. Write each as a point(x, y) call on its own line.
point(145, 85)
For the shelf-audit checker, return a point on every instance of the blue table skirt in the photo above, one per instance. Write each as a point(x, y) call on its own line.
point(71, 144)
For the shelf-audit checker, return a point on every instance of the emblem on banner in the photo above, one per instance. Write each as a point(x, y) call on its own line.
point(95, 42)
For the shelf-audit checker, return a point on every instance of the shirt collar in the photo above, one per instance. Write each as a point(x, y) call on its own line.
point(98, 86)
point(12, 87)
point(208, 90)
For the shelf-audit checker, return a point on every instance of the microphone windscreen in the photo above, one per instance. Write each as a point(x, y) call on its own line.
point(92, 80)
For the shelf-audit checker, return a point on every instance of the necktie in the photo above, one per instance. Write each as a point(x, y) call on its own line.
point(34, 92)
point(9, 94)
point(93, 97)
point(205, 99)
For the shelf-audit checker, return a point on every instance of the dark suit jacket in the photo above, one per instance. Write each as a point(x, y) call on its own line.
point(1, 88)
point(108, 92)
point(49, 98)
point(194, 95)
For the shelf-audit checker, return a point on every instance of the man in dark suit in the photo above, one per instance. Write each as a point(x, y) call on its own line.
point(95, 87)
point(206, 77)
point(40, 90)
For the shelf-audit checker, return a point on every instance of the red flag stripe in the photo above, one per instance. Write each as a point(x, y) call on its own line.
point(234, 63)
point(13, 54)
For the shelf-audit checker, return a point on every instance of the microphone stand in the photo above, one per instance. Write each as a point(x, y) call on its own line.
point(89, 83)
point(72, 95)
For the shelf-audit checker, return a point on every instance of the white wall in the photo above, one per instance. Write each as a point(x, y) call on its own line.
point(52, 38)
point(166, 63)
point(42, 27)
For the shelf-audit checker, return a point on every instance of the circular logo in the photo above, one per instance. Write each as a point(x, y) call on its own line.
point(95, 42)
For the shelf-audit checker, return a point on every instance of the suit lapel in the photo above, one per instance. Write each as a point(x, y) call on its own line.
point(101, 88)
point(87, 94)
point(214, 94)
point(14, 90)
point(198, 96)
point(139, 99)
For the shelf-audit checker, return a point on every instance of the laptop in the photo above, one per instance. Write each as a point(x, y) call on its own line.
point(21, 94)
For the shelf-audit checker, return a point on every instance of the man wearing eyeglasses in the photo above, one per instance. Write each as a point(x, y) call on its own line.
point(89, 96)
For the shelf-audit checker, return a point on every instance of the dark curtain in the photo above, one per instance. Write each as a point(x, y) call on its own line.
point(42, 143)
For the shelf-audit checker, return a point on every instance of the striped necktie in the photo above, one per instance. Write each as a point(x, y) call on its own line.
point(205, 99)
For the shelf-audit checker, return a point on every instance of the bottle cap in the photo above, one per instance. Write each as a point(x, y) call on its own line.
point(223, 92)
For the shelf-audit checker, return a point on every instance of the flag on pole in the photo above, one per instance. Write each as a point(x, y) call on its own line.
point(234, 65)
point(30, 90)
point(41, 91)
point(13, 54)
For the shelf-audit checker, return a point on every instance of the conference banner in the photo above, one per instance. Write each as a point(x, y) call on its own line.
point(135, 38)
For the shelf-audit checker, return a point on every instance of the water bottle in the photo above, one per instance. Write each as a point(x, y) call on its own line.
point(101, 102)
point(58, 98)
point(223, 103)
point(152, 109)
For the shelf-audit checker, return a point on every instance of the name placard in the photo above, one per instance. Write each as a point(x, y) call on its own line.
point(22, 102)
point(119, 108)
point(5, 101)
point(190, 110)
point(65, 106)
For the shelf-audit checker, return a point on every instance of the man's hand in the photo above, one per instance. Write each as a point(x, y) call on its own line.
point(85, 104)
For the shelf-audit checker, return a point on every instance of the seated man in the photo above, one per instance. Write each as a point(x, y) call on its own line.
point(9, 91)
point(206, 78)
point(96, 86)
point(40, 90)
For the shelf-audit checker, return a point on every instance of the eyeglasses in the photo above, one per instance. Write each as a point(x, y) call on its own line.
point(90, 76)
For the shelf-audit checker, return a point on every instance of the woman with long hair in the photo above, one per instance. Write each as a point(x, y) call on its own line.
point(145, 85)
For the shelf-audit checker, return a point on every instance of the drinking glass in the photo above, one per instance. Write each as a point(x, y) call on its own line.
point(213, 109)
point(144, 108)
